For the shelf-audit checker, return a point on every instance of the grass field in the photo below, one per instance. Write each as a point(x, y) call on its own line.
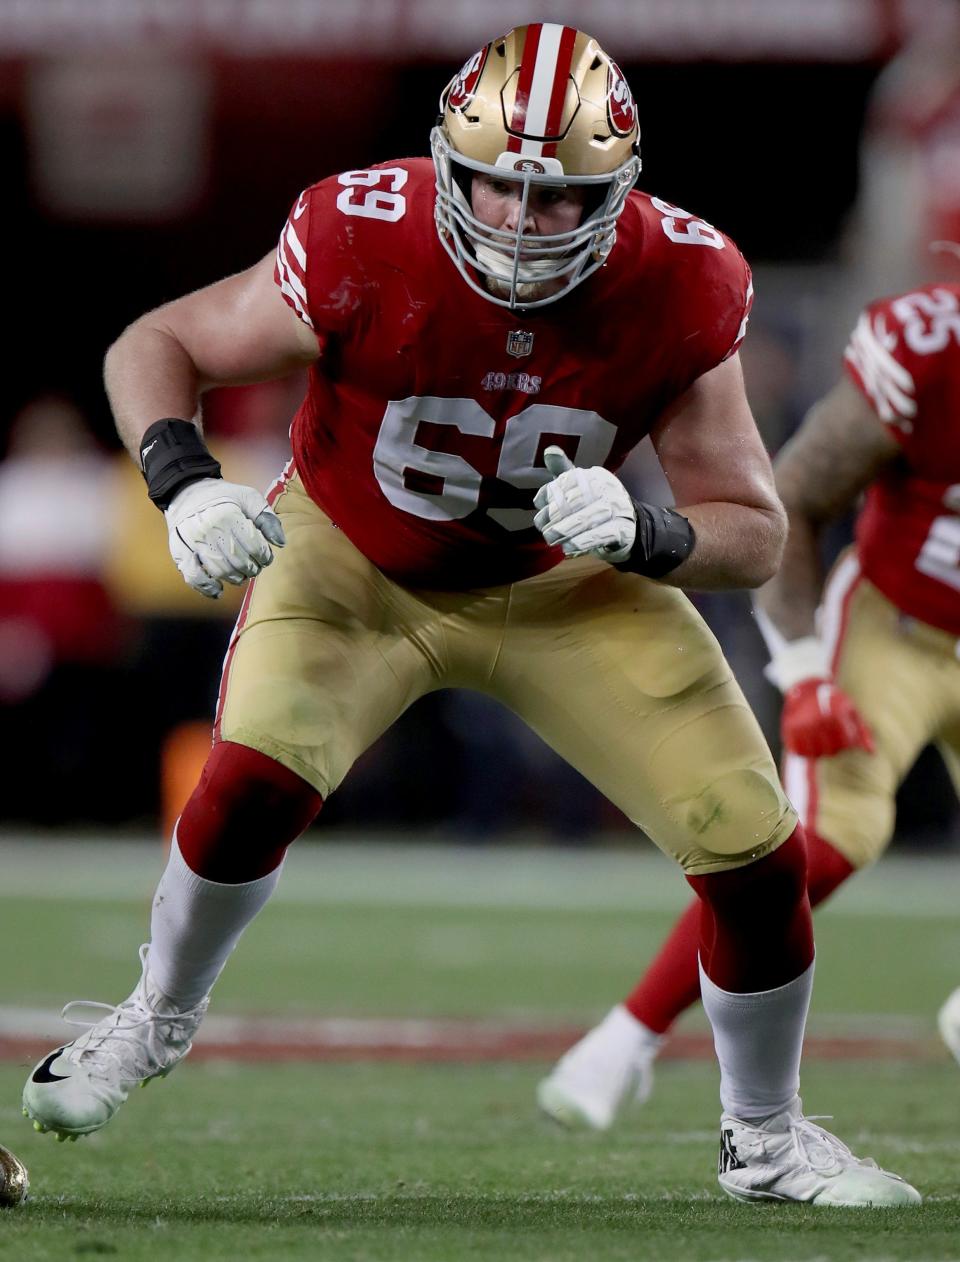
point(445, 1160)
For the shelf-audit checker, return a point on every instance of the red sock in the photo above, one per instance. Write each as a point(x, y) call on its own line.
point(671, 984)
point(826, 868)
point(243, 815)
point(756, 931)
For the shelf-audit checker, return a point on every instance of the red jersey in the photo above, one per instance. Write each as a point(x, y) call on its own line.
point(904, 356)
point(427, 414)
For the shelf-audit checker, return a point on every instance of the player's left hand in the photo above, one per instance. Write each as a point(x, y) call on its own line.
point(588, 512)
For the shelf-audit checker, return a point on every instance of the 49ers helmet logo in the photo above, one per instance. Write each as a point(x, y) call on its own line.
point(621, 110)
point(465, 84)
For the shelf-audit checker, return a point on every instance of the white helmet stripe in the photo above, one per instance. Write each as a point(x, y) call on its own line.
point(541, 90)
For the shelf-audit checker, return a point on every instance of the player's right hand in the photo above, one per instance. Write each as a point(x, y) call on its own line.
point(819, 720)
point(221, 533)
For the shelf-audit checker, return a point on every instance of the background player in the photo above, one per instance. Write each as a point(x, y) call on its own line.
point(508, 320)
point(869, 680)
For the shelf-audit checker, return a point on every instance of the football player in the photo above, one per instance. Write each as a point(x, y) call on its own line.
point(869, 662)
point(488, 335)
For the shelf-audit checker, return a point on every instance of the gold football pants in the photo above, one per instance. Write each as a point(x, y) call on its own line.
point(618, 674)
point(904, 678)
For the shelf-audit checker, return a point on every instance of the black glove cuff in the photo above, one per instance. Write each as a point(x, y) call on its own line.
point(172, 454)
point(664, 540)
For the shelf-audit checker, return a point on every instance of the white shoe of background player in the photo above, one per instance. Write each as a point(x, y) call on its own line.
point(610, 1065)
point(948, 1019)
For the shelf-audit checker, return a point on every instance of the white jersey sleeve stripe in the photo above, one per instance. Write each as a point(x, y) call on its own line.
point(283, 280)
point(888, 384)
point(291, 271)
point(299, 253)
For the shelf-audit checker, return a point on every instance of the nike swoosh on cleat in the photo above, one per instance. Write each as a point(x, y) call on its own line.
point(43, 1073)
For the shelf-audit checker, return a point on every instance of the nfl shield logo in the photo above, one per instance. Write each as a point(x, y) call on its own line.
point(519, 343)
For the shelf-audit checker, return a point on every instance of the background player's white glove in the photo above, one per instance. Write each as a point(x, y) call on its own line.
point(221, 533)
point(588, 512)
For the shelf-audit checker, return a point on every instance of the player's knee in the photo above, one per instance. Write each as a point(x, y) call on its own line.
point(770, 888)
point(243, 814)
point(732, 817)
point(756, 929)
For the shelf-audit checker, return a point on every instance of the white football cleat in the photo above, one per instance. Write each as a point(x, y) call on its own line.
point(948, 1019)
point(611, 1064)
point(788, 1158)
point(77, 1089)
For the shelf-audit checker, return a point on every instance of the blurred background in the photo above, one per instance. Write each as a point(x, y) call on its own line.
point(152, 146)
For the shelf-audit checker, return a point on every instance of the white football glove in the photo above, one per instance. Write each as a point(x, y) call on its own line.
point(588, 512)
point(221, 533)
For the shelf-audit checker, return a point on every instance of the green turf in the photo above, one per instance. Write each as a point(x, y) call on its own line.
point(427, 960)
point(455, 932)
point(441, 1163)
point(438, 1163)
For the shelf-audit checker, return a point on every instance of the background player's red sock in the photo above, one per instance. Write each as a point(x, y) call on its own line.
point(672, 982)
point(826, 868)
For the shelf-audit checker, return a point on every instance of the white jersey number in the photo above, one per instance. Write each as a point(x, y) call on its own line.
point(929, 320)
point(939, 557)
point(449, 486)
point(365, 195)
point(679, 225)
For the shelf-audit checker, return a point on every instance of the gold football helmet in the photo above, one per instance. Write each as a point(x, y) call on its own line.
point(541, 105)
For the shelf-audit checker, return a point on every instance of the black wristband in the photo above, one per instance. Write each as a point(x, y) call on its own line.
point(664, 540)
point(172, 454)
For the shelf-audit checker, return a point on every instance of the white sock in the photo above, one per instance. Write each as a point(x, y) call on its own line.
point(758, 1038)
point(195, 924)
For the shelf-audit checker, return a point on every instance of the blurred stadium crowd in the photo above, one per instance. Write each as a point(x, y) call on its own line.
point(825, 138)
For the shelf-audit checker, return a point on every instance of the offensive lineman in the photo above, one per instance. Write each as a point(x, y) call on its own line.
point(869, 679)
point(488, 337)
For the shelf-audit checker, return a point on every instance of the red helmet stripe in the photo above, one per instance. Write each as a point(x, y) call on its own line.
point(558, 93)
point(524, 83)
